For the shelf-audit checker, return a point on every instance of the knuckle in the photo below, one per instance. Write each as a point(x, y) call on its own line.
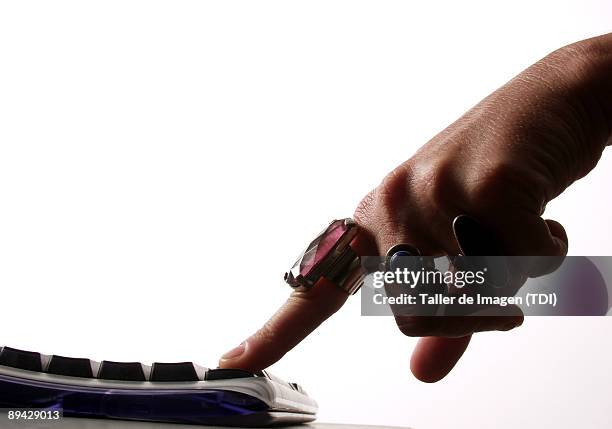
point(485, 188)
point(364, 209)
point(393, 188)
point(503, 184)
point(420, 182)
point(383, 209)
point(386, 198)
point(441, 182)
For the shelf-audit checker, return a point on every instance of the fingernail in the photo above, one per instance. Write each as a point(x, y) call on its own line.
point(235, 352)
point(472, 237)
point(463, 229)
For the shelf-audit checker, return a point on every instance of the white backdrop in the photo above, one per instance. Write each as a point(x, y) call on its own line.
point(162, 164)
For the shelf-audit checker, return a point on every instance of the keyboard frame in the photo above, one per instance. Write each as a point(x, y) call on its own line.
point(286, 403)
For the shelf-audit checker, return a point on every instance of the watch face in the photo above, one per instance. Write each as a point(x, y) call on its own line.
point(316, 252)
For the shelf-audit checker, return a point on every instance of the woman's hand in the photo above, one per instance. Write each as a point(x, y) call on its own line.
point(500, 163)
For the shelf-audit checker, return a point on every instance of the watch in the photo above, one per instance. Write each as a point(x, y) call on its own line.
point(331, 256)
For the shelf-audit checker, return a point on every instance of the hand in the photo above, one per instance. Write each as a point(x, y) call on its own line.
point(500, 163)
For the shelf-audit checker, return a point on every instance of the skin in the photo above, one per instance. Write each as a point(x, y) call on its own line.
point(501, 162)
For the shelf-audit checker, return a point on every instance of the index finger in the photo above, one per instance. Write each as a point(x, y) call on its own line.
point(301, 314)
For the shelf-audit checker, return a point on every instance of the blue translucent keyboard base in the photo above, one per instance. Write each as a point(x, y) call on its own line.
point(196, 407)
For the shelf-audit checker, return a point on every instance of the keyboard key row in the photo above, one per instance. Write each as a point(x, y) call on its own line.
point(108, 370)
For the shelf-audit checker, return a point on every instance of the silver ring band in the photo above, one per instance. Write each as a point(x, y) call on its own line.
point(347, 273)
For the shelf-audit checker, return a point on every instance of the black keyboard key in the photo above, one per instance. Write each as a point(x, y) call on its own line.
point(20, 359)
point(124, 371)
point(226, 374)
point(73, 367)
point(180, 371)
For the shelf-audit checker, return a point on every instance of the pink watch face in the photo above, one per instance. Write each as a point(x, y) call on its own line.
point(317, 251)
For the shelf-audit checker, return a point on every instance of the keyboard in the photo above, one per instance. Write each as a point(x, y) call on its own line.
point(177, 392)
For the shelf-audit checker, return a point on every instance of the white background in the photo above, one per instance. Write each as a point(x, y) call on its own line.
point(162, 164)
